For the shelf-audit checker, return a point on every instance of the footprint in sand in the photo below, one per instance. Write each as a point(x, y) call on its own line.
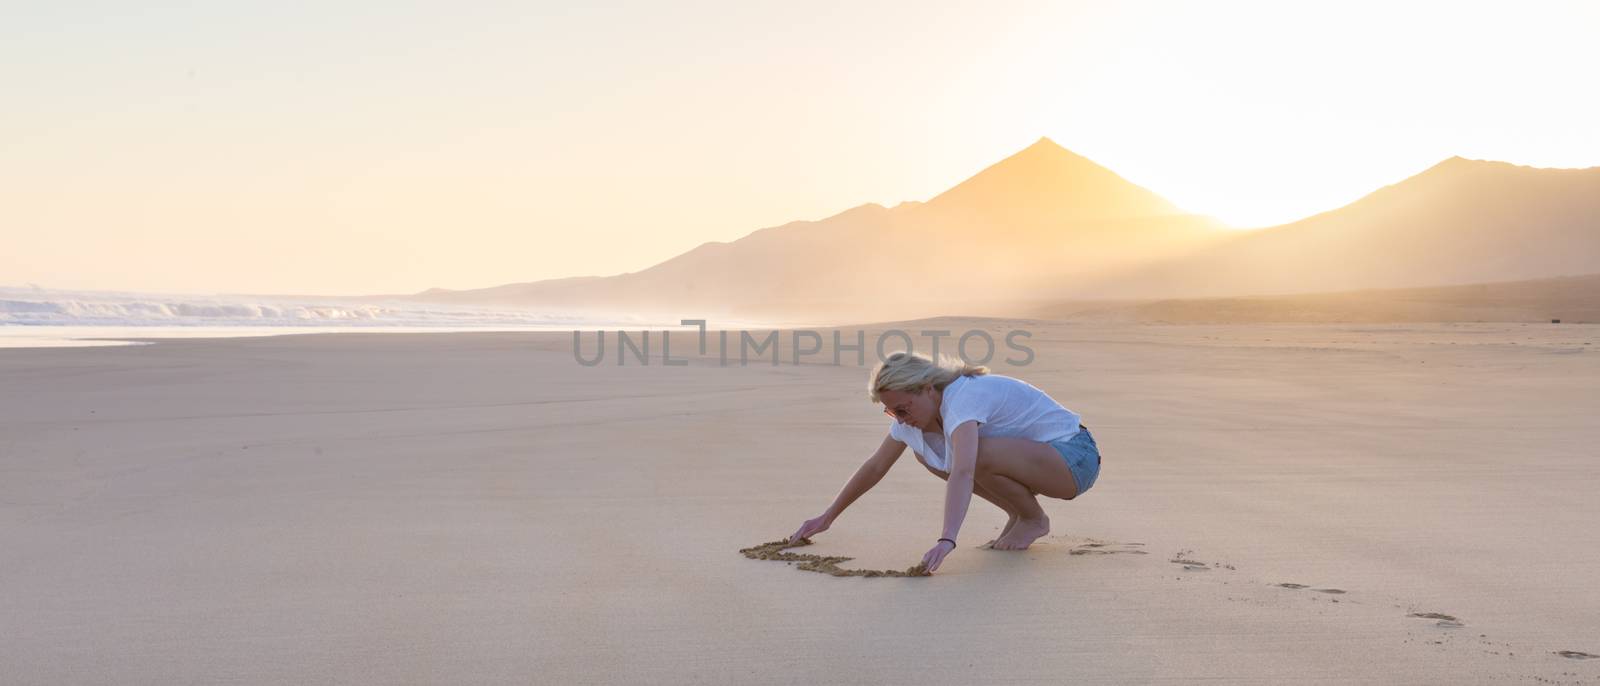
point(1445, 620)
point(1330, 591)
point(1181, 558)
point(1107, 549)
point(1575, 655)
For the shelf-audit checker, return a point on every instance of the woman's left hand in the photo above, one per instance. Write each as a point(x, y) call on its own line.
point(935, 557)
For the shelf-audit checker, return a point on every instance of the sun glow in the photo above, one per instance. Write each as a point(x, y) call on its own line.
point(1261, 113)
point(393, 150)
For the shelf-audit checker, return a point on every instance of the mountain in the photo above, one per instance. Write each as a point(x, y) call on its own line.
point(1461, 221)
point(1025, 225)
point(1045, 182)
point(1046, 225)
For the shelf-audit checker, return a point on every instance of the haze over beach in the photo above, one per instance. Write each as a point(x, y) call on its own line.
point(363, 343)
point(1042, 231)
point(1045, 227)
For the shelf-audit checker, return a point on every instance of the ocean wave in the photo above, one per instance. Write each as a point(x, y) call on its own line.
point(40, 307)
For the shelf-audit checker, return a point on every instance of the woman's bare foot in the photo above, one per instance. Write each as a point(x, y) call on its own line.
point(1023, 534)
point(1012, 522)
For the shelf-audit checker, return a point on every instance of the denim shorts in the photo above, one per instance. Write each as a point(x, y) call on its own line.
point(1082, 456)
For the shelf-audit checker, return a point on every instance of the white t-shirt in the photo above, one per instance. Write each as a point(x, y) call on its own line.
point(1003, 406)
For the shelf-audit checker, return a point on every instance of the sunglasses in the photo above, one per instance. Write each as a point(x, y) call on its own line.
point(898, 412)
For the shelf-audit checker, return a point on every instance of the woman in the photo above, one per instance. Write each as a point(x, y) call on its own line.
point(983, 433)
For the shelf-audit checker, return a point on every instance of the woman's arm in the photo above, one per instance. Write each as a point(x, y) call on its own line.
point(963, 470)
point(870, 473)
point(957, 491)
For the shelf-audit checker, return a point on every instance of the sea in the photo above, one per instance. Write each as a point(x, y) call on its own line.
point(37, 317)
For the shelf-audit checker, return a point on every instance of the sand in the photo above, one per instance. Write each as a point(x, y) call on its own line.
point(1568, 299)
point(479, 508)
point(773, 550)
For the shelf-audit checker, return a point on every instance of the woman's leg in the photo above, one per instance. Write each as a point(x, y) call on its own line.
point(1016, 469)
point(1013, 512)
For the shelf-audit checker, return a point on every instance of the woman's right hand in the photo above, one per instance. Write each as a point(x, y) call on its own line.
point(811, 527)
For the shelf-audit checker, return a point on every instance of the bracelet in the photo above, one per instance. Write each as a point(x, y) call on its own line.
point(946, 539)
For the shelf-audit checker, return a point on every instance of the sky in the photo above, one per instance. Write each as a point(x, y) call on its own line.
point(379, 147)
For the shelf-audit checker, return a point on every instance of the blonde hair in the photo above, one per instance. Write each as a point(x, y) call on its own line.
point(911, 372)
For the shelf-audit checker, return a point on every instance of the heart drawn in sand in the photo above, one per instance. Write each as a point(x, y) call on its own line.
point(818, 563)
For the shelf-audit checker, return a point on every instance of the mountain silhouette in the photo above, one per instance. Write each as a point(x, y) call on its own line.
point(1459, 222)
point(1047, 181)
point(1046, 225)
point(1025, 225)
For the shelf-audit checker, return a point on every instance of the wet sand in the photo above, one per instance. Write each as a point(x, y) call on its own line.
point(1277, 504)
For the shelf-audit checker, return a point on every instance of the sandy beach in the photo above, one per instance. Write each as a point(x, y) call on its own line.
point(1277, 504)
